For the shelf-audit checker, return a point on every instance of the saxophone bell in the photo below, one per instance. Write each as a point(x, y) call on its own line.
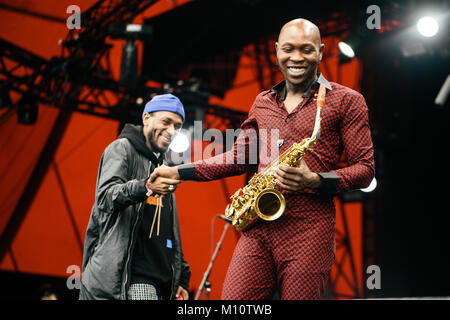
point(270, 204)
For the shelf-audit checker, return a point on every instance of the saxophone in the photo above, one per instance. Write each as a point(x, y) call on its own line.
point(259, 198)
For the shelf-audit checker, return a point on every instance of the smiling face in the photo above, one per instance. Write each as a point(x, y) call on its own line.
point(159, 128)
point(299, 51)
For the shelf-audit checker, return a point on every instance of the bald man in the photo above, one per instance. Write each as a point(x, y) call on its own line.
point(294, 254)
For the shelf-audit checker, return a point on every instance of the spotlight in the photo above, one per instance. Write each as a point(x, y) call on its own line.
point(352, 45)
point(355, 42)
point(346, 49)
point(129, 66)
point(130, 31)
point(139, 101)
point(411, 49)
point(180, 143)
point(443, 94)
point(427, 26)
point(371, 186)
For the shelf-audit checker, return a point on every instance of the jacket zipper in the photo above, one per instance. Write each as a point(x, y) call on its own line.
point(124, 294)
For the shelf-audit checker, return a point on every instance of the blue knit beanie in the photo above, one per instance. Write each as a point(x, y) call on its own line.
point(164, 102)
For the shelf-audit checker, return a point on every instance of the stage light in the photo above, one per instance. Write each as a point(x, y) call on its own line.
point(139, 101)
point(371, 186)
point(411, 49)
point(129, 77)
point(346, 49)
point(129, 66)
point(443, 94)
point(427, 26)
point(27, 110)
point(351, 46)
point(355, 42)
point(180, 143)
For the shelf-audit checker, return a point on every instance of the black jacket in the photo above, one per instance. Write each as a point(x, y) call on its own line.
point(119, 204)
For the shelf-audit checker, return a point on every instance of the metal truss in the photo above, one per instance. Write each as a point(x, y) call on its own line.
point(344, 257)
point(78, 80)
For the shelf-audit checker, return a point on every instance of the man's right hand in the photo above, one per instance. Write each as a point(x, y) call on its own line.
point(160, 185)
point(165, 172)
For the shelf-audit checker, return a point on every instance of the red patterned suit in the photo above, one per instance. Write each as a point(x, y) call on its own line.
point(294, 254)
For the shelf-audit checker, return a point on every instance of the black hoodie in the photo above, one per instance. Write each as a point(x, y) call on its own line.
point(135, 134)
point(152, 259)
point(117, 212)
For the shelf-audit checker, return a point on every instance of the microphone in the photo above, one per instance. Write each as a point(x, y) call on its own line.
point(221, 216)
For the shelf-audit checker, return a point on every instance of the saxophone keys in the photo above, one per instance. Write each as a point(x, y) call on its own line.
point(229, 212)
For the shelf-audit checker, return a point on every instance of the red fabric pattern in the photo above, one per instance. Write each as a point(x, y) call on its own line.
point(295, 253)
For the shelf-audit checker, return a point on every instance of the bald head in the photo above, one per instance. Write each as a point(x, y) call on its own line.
point(306, 27)
point(299, 51)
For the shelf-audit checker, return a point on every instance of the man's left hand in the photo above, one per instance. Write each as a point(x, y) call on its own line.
point(294, 179)
point(182, 294)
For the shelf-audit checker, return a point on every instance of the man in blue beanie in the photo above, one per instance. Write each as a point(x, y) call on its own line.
point(132, 248)
point(162, 117)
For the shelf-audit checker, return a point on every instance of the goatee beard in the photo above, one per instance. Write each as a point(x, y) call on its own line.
point(155, 147)
point(152, 144)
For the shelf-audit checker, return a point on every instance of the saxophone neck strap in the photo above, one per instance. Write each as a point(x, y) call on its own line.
point(320, 104)
point(321, 96)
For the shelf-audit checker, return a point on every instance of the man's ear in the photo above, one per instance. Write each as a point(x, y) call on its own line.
point(322, 47)
point(146, 117)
